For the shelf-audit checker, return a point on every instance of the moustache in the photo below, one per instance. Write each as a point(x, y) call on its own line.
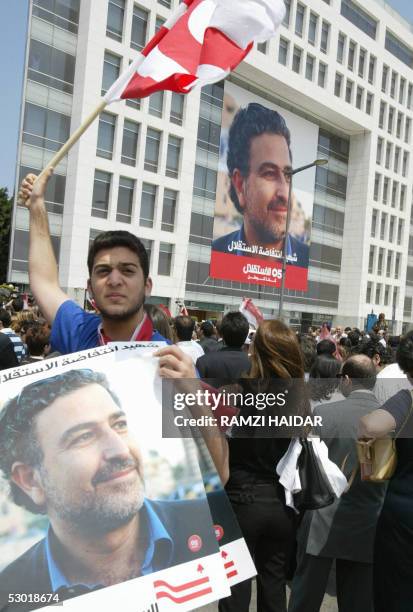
point(114, 466)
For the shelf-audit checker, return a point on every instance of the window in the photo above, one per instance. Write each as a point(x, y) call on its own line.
point(384, 78)
point(111, 70)
point(337, 84)
point(394, 194)
point(399, 49)
point(402, 197)
point(388, 155)
point(208, 135)
point(166, 3)
point(169, 210)
point(392, 225)
point(21, 250)
point(349, 90)
point(383, 107)
point(402, 89)
point(379, 150)
point(312, 28)
point(51, 67)
point(390, 120)
point(369, 103)
point(156, 104)
point(101, 190)
point(148, 244)
point(396, 159)
point(399, 124)
point(393, 84)
point(55, 190)
point(45, 128)
point(325, 33)
point(362, 62)
point(173, 156)
point(405, 166)
point(152, 148)
point(297, 59)
point(287, 16)
point(359, 18)
point(376, 186)
point(64, 14)
point(328, 220)
point(177, 108)
point(368, 292)
point(159, 23)
point(148, 204)
point(351, 55)
point(283, 51)
point(378, 293)
point(165, 258)
point(409, 96)
point(395, 296)
point(371, 258)
point(139, 28)
point(136, 104)
point(205, 182)
point(386, 295)
point(125, 199)
point(385, 190)
point(383, 223)
point(359, 97)
point(397, 266)
point(130, 142)
point(114, 24)
point(262, 47)
point(380, 262)
point(373, 223)
point(299, 19)
point(407, 128)
point(400, 232)
point(322, 74)
point(372, 67)
point(106, 135)
point(340, 47)
point(309, 67)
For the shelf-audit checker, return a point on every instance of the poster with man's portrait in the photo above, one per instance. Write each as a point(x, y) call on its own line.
point(260, 144)
point(96, 508)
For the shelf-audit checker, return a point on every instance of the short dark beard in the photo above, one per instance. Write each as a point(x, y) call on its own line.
point(266, 235)
point(121, 316)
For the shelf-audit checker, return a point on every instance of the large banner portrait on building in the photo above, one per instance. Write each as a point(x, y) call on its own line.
point(259, 143)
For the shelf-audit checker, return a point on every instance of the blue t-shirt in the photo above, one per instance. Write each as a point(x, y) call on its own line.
point(74, 329)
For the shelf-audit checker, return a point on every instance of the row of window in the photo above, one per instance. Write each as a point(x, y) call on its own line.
point(382, 294)
point(361, 99)
point(315, 29)
point(394, 121)
point(61, 13)
point(156, 106)
point(125, 212)
point(51, 67)
point(355, 58)
point(386, 190)
point(362, 20)
point(140, 21)
point(388, 225)
point(392, 157)
point(130, 139)
point(378, 259)
point(396, 86)
point(297, 62)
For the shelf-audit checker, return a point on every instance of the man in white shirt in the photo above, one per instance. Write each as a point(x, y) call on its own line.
point(184, 327)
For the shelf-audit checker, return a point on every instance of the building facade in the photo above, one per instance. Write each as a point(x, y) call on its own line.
point(150, 166)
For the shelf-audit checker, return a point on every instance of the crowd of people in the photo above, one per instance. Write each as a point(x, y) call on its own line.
point(358, 382)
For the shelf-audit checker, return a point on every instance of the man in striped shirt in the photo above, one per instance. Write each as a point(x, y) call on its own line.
point(18, 345)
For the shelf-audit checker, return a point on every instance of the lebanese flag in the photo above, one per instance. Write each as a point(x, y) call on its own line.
point(251, 312)
point(201, 43)
point(183, 311)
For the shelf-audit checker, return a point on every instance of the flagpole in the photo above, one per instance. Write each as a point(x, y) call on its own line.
point(74, 138)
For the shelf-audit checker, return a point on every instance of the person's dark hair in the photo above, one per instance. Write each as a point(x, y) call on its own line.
point(308, 350)
point(345, 342)
point(276, 352)
point(18, 441)
point(160, 320)
point(207, 329)
point(37, 338)
point(323, 377)
point(17, 304)
point(371, 347)
point(234, 329)
point(354, 337)
point(404, 353)
point(361, 371)
point(248, 123)
point(184, 327)
point(326, 347)
point(118, 238)
point(5, 317)
point(347, 329)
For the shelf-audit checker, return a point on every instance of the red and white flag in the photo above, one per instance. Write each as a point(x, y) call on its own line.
point(183, 312)
point(251, 312)
point(201, 43)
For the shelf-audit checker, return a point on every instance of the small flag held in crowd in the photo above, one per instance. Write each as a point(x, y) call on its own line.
point(251, 312)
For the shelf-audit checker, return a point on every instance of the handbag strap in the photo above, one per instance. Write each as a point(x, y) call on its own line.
point(353, 473)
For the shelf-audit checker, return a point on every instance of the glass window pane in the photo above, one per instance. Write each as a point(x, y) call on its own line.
point(169, 210)
point(173, 156)
point(130, 142)
point(111, 71)
point(177, 108)
point(139, 28)
point(101, 190)
point(153, 142)
point(114, 26)
point(125, 199)
point(156, 104)
point(165, 259)
point(148, 202)
point(106, 135)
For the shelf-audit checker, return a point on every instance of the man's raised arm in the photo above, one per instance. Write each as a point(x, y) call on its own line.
point(43, 272)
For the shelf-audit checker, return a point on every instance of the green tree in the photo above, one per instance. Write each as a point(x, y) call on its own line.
point(5, 222)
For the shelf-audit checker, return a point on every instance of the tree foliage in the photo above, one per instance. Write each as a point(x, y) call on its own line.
point(5, 222)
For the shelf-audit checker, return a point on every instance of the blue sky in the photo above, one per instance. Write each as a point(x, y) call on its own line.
point(13, 34)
